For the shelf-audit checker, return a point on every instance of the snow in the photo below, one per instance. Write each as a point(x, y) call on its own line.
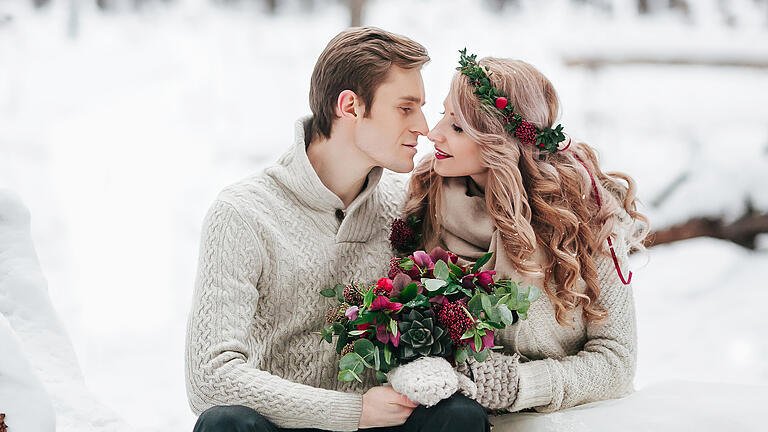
point(118, 140)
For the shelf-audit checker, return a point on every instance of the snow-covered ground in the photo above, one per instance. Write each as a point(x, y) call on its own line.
point(119, 139)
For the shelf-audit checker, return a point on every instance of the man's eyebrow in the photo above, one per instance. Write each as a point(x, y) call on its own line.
point(413, 99)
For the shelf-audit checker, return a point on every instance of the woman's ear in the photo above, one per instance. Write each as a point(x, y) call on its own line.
point(348, 105)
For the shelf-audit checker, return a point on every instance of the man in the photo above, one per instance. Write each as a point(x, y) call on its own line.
point(320, 216)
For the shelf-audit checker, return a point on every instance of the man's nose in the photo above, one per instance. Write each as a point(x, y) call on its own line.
point(421, 126)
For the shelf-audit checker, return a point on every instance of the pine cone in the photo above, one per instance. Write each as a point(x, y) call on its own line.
point(352, 295)
point(421, 336)
point(348, 348)
point(336, 314)
point(3, 427)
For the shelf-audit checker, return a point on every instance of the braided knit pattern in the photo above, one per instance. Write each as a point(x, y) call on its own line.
point(496, 379)
point(565, 366)
point(269, 244)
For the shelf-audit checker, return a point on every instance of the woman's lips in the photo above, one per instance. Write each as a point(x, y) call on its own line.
point(439, 154)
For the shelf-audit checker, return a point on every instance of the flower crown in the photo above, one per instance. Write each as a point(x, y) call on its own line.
point(526, 132)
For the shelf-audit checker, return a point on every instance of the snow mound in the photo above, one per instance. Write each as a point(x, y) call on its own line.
point(668, 406)
point(39, 371)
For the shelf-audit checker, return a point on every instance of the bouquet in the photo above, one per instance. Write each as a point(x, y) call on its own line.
point(426, 306)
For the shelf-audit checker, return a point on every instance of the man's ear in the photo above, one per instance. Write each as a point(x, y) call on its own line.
point(348, 105)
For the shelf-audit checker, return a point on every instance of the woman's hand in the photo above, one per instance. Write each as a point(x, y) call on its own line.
point(495, 379)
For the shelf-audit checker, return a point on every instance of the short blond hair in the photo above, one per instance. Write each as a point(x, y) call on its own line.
point(357, 59)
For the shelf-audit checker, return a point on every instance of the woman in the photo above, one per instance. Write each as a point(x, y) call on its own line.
point(552, 218)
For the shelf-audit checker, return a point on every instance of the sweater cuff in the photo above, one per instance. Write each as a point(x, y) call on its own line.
point(347, 408)
point(534, 387)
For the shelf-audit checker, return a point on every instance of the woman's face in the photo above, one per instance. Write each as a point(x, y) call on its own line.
point(456, 154)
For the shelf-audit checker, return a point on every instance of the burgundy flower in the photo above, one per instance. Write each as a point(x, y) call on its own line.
point(382, 303)
point(384, 335)
point(485, 279)
point(383, 286)
point(468, 282)
point(439, 253)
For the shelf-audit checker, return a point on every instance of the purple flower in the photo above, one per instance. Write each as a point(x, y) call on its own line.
point(423, 260)
point(351, 313)
point(468, 281)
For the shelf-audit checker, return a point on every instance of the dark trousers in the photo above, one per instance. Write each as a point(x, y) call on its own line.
point(455, 414)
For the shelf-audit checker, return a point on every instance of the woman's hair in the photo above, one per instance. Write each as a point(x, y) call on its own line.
point(534, 197)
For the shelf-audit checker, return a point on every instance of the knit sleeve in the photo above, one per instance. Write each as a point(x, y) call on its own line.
point(605, 366)
point(218, 368)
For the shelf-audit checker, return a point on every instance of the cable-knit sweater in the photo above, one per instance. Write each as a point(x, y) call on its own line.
point(269, 244)
point(561, 366)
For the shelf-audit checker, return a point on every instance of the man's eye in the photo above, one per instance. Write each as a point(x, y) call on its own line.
point(457, 129)
point(443, 112)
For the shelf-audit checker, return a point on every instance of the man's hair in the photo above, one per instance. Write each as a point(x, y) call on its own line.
point(357, 59)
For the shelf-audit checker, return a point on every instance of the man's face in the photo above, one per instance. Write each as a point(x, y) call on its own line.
point(388, 135)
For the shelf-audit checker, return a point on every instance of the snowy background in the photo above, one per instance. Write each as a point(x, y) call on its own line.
point(118, 128)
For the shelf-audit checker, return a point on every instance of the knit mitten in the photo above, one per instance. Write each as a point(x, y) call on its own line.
point(427, 380)
point(496, 379)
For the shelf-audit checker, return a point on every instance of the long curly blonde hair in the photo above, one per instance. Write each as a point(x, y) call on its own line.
point(535, 198)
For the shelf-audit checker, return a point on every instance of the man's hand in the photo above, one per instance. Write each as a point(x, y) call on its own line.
point(382, 406)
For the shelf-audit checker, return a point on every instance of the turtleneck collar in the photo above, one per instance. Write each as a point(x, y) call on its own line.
point(296, 174)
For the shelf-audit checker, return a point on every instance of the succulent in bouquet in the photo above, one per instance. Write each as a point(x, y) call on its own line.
point(428, 305)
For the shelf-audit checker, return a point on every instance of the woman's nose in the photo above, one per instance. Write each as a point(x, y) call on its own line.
point(434, 135)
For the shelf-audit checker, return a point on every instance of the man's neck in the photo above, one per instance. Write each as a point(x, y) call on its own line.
point(341, 167)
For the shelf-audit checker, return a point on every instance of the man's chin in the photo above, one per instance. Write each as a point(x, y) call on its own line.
point(403, 167)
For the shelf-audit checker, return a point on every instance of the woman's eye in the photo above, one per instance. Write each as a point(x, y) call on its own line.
point(405, 109)
point(457, 129)
point(443, 112)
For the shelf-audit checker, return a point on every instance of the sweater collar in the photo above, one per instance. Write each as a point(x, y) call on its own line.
point(296, 174)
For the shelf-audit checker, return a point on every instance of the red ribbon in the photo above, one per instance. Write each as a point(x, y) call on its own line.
point(610, 243)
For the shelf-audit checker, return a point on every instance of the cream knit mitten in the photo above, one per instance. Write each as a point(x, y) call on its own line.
point(496, 379)
point(428, 380)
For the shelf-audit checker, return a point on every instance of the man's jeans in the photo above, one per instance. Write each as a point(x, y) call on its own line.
point(455, 414)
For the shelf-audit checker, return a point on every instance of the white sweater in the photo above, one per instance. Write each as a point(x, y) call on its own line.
point(270, 243)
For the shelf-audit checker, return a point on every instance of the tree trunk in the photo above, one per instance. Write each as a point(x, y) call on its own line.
point(356, 13)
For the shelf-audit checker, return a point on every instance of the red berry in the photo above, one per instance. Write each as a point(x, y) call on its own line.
point(501, 102)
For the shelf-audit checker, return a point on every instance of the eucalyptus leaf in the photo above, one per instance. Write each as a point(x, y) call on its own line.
point(486, 302)
point(376, 360)
point(364, 348)
point(505, 314)
point(328, 292)
point(533, 293)
point(461, 355)
point(347, 375)
point(441, 270)
point(357, 332)
point(482, 355)
point(433, 284)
